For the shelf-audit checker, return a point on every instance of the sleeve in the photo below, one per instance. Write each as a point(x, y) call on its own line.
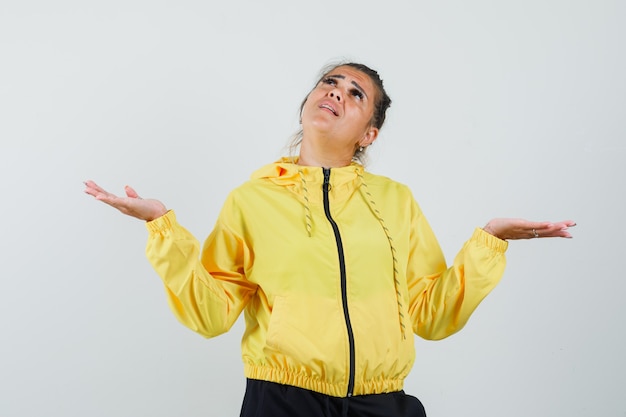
point(205, 292)
point(442, 299)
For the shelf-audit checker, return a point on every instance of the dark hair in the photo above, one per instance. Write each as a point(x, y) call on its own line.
point(381, 102)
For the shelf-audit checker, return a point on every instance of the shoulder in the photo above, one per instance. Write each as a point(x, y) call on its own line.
point(257, 192)
point(381, 181)
point(391, 192)
point(245, 191)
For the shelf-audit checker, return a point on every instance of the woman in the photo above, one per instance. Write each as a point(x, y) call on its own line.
point(335, 268)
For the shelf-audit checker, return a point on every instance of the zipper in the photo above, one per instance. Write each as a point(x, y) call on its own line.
point(342, 273)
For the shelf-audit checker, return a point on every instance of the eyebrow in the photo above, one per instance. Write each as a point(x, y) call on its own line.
point(354, 83)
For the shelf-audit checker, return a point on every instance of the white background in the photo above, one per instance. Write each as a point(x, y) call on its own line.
point(500, 109)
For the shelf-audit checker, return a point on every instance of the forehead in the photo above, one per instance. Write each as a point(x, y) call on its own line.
point(353, 74)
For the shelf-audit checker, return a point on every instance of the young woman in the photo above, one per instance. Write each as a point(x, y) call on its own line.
point(334, 268)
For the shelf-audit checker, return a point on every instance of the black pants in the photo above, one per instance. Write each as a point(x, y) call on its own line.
point(268, 399)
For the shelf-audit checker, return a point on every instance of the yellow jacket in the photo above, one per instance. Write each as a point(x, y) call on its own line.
point(331, 291)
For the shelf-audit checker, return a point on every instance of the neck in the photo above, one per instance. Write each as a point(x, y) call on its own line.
point(324, 156)
point(306, 159)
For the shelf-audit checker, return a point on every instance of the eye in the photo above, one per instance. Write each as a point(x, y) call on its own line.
point(329, 81)
point(356, 93)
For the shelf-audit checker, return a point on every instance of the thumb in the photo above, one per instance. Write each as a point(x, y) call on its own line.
point(130, 192)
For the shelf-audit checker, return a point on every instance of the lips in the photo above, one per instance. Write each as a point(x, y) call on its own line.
point(329, 107)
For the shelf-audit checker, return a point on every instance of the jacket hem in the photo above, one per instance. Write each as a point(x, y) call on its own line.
point(296, 379)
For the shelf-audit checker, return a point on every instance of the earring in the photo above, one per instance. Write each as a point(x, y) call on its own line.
point(360, 149)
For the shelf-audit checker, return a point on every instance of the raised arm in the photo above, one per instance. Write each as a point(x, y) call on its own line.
point(206, 295)
point(443, 298)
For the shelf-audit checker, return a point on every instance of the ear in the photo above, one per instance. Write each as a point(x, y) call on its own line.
point(369, 137)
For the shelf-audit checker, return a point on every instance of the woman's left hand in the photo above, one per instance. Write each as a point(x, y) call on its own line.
point(513, 229)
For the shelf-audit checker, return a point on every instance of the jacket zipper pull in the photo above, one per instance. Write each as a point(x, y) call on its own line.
point(326, 185)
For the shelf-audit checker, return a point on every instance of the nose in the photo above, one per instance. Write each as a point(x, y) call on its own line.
point(335, 94)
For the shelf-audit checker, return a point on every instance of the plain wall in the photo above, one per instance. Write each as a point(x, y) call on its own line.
point(500, 109)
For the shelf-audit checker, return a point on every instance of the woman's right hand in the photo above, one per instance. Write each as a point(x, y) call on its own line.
point(131, 205)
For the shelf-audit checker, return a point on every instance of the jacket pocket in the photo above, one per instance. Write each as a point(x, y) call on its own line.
point(308, 331)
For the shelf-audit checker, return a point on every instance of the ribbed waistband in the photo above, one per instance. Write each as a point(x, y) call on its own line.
point(298, 379)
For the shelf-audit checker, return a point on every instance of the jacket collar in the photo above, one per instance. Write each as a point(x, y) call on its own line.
point(286, 171)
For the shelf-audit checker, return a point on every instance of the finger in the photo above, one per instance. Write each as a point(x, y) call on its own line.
point(91, 191)
point(96, 191)
point(558, 225)
point(562, 226)
point(542, 225)
point(90, 187)
point(555, 230)
point(535, 230)
point(98, 194)
point(528, 226)
point(111, 200)
point(93, 186)
point(131, 192)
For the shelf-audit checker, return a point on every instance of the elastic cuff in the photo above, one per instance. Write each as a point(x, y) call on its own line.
point(162, 223)
point(490, 240)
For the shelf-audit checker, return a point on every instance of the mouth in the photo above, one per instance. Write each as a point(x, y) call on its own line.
point(329, 108)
